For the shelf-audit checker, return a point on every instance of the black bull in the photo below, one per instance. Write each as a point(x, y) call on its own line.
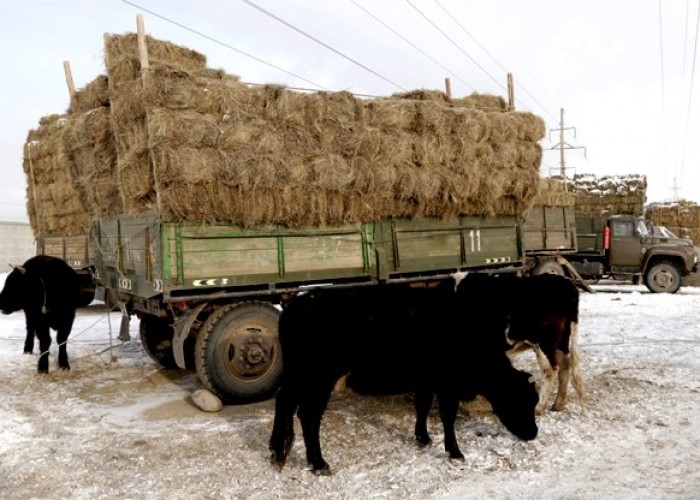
point(47, 289)
point(431, 341)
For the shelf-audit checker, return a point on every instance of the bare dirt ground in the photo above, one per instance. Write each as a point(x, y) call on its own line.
point(117, 426)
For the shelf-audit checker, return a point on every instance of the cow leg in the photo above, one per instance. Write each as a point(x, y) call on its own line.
point(282, 437)
point(423, 401)
point(44, 336)
point(310, 413)
point(29, 340)
point(547, 385)
point(62, 340)
point(449, 404)
point(563, 362)
point(575, 369)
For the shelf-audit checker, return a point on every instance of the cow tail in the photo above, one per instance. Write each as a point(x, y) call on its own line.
point(577, 380)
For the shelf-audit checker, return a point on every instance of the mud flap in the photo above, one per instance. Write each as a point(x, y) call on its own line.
point(124, 335)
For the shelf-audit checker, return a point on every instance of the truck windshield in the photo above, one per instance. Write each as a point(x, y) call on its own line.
point(663, 232)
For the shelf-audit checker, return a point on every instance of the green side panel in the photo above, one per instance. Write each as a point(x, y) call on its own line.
point(431, 244)
point(243, 256)
point(127, 257)
point(549, 229)
point(589, 234)
point(198, 255)
point(310, 254)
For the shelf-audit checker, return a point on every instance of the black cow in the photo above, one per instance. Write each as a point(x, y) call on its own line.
point(48, 291)
point(542, 315)
point(441, 344)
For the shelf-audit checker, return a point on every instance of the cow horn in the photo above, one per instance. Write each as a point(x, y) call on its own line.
point(20, 269)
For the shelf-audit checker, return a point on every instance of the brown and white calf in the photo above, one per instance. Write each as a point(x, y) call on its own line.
point(543, 316)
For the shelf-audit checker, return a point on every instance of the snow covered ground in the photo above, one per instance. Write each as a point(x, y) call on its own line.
point(117, 426)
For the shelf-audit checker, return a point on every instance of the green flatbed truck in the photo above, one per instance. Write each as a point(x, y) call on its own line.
point(208, 295)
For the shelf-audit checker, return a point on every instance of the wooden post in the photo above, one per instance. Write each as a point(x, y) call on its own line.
point(448, 89)
point(511, 93)
point(118, 144)
point(141, 38)
point(69, 81)
point(32, 180)
point(145, 82)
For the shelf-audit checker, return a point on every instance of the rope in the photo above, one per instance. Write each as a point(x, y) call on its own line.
point(73, 337)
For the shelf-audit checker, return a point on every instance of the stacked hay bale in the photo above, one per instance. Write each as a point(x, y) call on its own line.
point(196, 144)
point(53, 202)
point(89, 145)
point(681, 217)
point(609, 195)
point(553, 192)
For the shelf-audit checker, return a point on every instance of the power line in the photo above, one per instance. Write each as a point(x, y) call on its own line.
point(456, 45)
point(513, 54)
point(663, 92)
point(191, 30)
point(456, 21)
point(311, 37)
point(690, 95)
point(431, 58)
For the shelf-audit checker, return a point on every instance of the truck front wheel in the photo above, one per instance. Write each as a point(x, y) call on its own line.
point(663, 278)
point(237, 353)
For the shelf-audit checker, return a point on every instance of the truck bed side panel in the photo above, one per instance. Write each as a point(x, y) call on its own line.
point(549, 230)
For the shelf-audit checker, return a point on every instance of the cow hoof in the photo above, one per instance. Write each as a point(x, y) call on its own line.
point(28, 351)
point(43, 371)
point(325, 471)
point(558, 407)
point(424, 441)
point(457, 456)
point(278, 460)
point(65, 368)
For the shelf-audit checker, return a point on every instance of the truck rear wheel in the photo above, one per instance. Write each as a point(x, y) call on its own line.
point(663, 278)
point(157, 340)
point(237, 353)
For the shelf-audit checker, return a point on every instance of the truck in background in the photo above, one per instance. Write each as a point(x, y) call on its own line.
point(627, 247)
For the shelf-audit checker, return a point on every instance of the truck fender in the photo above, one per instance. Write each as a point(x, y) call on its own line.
point(670, 256)
point(182, 331)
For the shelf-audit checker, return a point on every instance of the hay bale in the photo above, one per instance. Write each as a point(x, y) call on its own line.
point(553, 192)
point(197, 144)
point(94, 95)
point(53, 202)
point(681, 217)
point(609, 195)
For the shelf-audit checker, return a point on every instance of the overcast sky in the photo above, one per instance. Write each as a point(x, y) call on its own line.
point(621, 69)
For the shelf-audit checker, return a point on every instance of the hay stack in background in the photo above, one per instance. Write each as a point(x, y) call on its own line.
point(53, 202)
point(197, 144)
point(609, 194)
point(553, 192)
point(681, 217)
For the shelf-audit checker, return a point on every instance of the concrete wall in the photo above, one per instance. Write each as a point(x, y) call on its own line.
point(16, 244)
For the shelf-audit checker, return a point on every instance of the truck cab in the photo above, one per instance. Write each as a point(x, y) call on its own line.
point(629, 247)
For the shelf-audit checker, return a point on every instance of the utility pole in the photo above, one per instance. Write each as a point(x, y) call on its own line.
point(563, 145)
